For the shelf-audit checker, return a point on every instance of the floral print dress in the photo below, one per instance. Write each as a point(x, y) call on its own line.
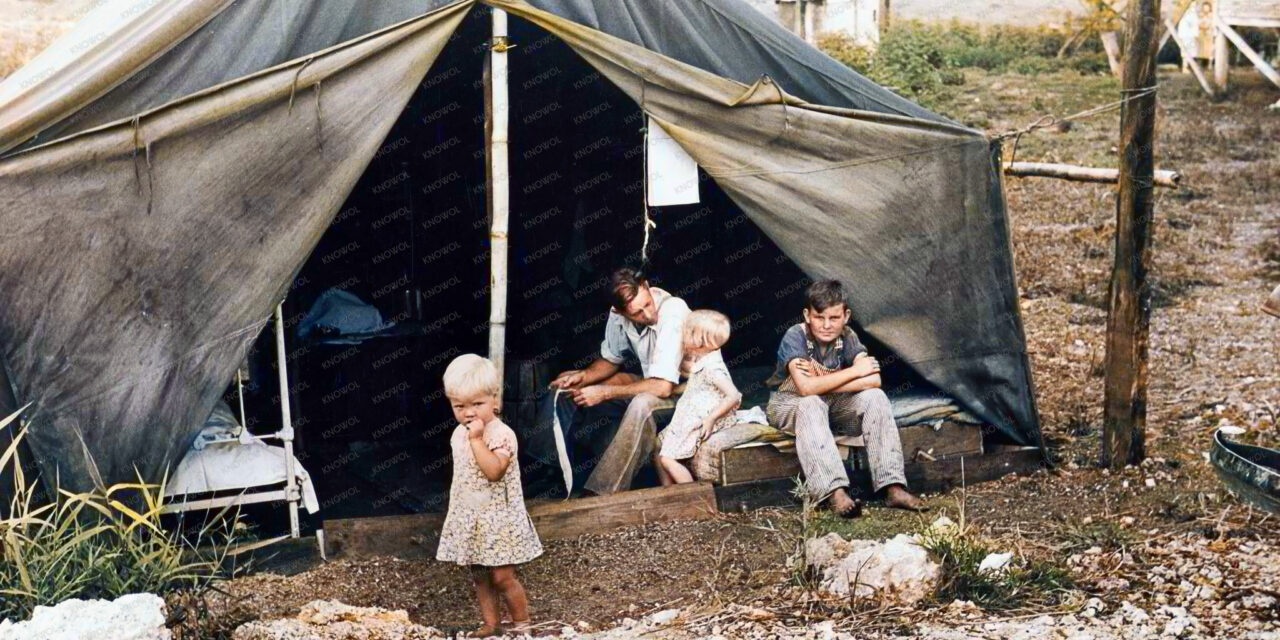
point(701, 397)
point(487, 523)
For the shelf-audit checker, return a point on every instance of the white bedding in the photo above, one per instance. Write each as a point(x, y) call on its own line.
point(232, 465)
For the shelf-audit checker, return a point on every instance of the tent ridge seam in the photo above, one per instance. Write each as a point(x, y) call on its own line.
point(838, 165)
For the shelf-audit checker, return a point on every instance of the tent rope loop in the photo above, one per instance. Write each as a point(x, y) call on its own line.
point(319, 125)
point(293, 88)
point(137, 174)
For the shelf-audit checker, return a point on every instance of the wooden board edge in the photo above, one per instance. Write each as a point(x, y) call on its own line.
point(411, 536)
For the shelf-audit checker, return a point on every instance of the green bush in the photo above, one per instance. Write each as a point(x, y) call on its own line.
point(842, 47)
point(1034, 66)
point(95, 545)
point(1090, 63)
point(908, 59)
point(918, 60)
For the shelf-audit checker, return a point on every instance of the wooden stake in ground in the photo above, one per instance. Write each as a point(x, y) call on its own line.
point(1129, 314)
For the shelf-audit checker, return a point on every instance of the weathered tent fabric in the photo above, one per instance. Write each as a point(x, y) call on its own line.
point(139, 260)
point(725, 37)
point(107, 47)
point(900, 209)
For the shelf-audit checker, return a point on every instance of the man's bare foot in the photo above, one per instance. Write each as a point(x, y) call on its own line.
point(897, 496)
point(843, 505)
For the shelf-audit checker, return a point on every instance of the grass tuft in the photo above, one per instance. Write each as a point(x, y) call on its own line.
point(1023, 582)
point(98, 544)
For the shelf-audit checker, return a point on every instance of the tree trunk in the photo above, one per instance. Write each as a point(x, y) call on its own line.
point(1129, 315)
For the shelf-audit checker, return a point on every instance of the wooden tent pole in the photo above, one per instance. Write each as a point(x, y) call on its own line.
point(498, 187)
point(1129, 313)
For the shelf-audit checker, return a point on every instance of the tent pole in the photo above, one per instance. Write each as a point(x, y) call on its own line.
point(498, 189)
point(286, 425)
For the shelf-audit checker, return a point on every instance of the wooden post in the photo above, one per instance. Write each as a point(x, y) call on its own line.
point(1221, 54)
point(1111, 44)
point(1129, 314)
point(1253, 56)
point(1162, 177)
point(882, 17)
point(498, 188)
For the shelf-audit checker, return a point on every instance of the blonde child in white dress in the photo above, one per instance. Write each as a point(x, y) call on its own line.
point(487, 527)
point(709, 399)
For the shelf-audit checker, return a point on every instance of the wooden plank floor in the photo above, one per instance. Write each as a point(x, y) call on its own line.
point(415, 536)
point(922, 477)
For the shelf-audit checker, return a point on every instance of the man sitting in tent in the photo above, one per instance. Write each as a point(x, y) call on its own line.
point(824, 378)
point(644, 322)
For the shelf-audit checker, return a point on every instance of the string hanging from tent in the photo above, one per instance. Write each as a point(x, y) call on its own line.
point(648, 220)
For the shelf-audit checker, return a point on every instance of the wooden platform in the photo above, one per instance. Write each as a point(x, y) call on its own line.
point(757, 461)
point(416, 536)
point(922, 477)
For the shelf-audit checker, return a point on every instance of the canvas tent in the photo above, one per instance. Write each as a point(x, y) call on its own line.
point(172, 173)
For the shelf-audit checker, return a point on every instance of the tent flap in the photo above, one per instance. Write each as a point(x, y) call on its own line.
point(139, 260)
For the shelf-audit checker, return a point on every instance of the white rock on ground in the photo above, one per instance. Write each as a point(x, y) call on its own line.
point(995, 562)
point(333, 620)
point(136, 616)
point(895, 570)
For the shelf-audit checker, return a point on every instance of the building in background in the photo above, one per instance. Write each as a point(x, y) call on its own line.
point(811, 18)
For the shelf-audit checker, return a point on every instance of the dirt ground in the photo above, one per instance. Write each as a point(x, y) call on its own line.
point(1213, 356)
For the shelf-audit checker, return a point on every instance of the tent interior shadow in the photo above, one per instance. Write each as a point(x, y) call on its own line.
point(412, 240)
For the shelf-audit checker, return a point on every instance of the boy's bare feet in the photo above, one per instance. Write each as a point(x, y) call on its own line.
point(897, 496)
point(485, 632)
point(843, 505)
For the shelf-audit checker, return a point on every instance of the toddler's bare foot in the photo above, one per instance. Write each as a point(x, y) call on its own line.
point(485, 631)
point(898, 497)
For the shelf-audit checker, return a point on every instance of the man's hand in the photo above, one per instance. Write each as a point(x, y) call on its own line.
point(590, 396)
point(568, 379)
point(475, 430)
point(865, 365)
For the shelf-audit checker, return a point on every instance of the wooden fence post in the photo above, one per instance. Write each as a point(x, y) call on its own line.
point(1129, 314)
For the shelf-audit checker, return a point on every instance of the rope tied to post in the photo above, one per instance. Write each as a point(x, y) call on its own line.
point(1050, 120)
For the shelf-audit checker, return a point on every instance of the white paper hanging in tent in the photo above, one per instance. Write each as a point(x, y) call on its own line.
point(673, 175)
